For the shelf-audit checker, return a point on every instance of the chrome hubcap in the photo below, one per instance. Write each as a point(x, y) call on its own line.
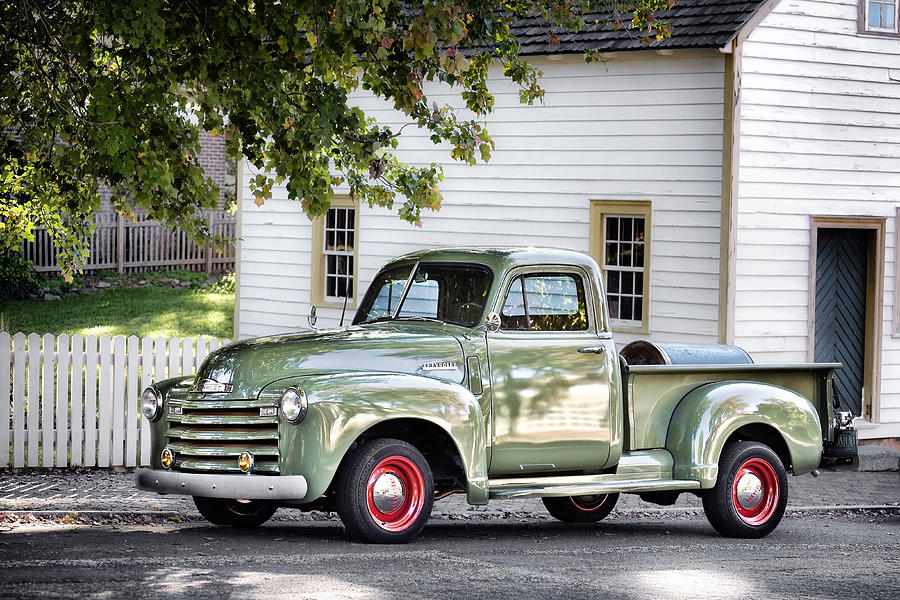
point(387, 493)
point(749, 491)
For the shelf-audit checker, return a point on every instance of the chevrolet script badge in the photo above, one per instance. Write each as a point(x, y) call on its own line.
point(211, 386)
point(439, 366)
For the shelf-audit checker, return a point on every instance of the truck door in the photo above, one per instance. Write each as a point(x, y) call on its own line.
point(550, 374)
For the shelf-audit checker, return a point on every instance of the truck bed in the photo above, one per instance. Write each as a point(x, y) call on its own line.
point(651, 393)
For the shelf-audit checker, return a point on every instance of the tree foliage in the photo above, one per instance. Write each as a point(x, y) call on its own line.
point(116, 92)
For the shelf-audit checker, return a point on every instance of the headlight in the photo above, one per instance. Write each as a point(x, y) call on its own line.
point(294, 405)
point(151, 404)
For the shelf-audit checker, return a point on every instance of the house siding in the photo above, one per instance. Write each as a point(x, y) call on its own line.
point(642, 126)
point(820, 136)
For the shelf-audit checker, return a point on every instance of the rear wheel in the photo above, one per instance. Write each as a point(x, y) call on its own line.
point(750, 494)
point(385, 492)
point(237, 513)
point(581, 509)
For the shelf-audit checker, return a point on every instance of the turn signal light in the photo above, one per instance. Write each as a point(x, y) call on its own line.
point(245, 462)
point(167, 458)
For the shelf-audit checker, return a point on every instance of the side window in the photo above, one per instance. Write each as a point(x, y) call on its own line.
point(545, 302)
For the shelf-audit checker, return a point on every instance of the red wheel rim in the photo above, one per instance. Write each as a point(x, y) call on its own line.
point(755, 491)
point(589, 503)
point(406, 501)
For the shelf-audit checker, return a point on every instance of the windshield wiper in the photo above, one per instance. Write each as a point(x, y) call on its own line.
point(420, 318)
point(378, 320)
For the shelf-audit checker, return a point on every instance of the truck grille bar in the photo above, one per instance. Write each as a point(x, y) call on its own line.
point(210, 435)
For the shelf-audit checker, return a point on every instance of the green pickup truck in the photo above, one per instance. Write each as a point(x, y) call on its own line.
point(491, 372)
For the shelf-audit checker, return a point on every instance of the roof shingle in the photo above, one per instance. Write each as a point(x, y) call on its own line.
point(695, 24)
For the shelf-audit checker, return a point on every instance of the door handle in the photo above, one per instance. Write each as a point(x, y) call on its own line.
point(592, 350)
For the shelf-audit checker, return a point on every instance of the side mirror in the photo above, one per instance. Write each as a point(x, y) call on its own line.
point(312, 318)
point(493, 322)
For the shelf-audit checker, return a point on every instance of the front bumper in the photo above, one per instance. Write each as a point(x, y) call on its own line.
point(215, 485)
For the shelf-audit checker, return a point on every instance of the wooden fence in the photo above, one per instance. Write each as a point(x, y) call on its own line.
point(76, 401)
point(140, 245)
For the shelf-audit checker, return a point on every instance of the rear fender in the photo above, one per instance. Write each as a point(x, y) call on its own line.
point(342, 407)
point(709, 415)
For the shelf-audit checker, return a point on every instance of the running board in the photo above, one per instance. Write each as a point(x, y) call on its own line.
point(582, 485)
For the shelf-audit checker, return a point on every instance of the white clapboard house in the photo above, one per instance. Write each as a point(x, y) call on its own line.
point(739, 183)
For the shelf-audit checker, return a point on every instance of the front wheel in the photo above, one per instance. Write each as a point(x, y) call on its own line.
point(385, 492)
point(237, 513)
point(581, 509)
point(750, 494)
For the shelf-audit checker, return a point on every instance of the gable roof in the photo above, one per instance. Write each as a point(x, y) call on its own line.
point(695, 24)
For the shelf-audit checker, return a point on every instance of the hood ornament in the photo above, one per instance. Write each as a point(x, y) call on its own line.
point(211, 386)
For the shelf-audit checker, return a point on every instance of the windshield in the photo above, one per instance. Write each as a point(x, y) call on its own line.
point(452, 293)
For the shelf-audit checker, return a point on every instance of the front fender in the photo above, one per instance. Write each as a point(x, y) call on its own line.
point(343, 406)
point(158, 428)
point(707, 416)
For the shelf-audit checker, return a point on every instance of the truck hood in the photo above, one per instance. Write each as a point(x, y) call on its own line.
point(427, 349)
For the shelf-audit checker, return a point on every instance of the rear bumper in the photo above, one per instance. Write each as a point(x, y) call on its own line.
point(214, 485)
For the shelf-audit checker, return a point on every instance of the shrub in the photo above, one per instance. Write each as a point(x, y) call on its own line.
point(17, 276)
point(225, 285)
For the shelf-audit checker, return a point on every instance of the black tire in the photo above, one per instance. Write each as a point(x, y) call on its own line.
point(237, 513)
point(404, 478)
point(581, 509)
point(755, 510)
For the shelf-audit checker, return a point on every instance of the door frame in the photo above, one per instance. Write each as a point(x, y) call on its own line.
point(871, 401)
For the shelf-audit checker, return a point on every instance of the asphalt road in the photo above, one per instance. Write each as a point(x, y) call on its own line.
point(814, 555)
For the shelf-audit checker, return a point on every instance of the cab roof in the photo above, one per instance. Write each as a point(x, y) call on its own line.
point(498, 257)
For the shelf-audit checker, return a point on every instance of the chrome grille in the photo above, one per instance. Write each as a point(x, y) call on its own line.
point(209, 435)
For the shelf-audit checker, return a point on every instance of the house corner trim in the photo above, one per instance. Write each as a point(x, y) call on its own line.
point(731, 122)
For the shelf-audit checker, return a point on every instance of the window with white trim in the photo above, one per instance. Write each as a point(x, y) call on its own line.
point(878, 16)
point(335, 255)
point(623, 244)
point(620, 243)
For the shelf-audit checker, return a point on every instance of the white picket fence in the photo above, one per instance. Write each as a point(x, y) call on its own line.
point(76, 401)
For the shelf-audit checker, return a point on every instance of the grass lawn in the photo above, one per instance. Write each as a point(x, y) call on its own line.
point(153, 311)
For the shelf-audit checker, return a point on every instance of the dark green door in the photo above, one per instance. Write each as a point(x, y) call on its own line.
point(840, 336)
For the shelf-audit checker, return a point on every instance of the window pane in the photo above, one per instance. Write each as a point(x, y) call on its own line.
point(639, 229)
point(874, 15)
point(639, 284)
point(384, 294)
point(556, 302)
point(625, 255)
point(330, 286)
point(887, 16)
point(638, 309)
point(350, 240)
point(613, 301)
point(638, 255)
point(514, 306)
point(612, 279)
point(626, 308)
point(451, 293)
point(625, 229)
point(627, 283)
point(329, 239)
point(330, 264)
point(612, 228)
point(612, 253)
point(329, 218)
